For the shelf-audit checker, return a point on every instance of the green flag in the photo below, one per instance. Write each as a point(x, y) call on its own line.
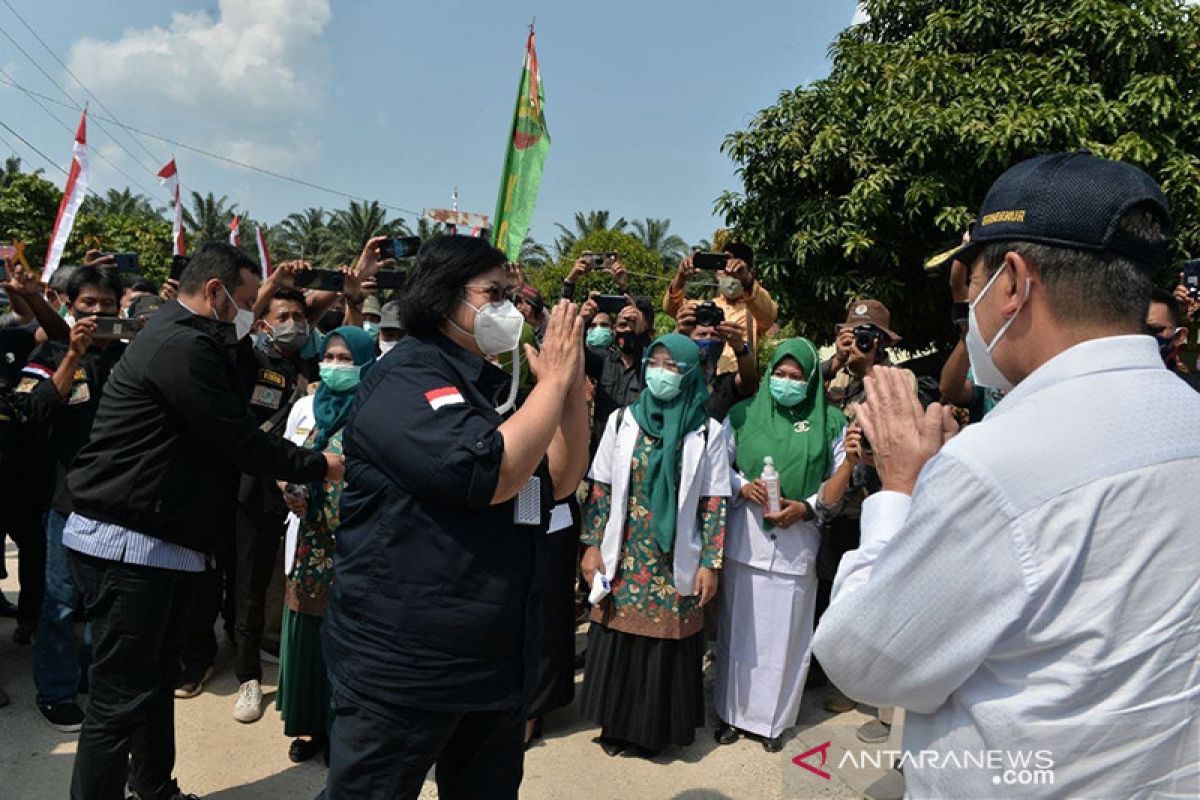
point(528, 144)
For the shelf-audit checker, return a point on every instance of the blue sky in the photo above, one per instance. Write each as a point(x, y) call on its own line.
point(404, 101)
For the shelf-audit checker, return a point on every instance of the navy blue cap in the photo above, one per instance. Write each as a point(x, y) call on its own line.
point(1073, 200)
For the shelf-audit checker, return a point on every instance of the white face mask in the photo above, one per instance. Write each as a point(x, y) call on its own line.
point(243, 321)
point(984, 371)
point(386, 347)
point(497, 327)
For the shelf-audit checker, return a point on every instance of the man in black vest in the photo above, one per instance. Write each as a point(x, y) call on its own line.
point(152, 490)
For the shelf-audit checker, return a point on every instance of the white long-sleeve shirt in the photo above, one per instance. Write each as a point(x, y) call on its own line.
point(1039, 595)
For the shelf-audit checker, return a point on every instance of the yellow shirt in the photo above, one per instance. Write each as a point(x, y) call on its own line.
point(754, 312)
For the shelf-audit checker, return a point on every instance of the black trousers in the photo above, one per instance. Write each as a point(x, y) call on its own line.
point(213, 594)
point(479, 755)
point(258, 536)
point(128, 735)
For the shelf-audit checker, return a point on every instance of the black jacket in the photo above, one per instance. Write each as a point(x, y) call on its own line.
point(173, 434)
point(435, 605)
point(67, 421)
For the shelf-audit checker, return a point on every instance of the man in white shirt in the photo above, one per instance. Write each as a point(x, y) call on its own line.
point(1030, 590)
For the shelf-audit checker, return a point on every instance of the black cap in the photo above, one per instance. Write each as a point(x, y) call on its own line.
point(1072, 200)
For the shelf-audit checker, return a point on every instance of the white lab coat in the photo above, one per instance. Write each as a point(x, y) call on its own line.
point(765, 623)
point(705, 473)
point(300, 422)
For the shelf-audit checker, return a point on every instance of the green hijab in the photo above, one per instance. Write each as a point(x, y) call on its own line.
point(797, 438)
point(668, 423)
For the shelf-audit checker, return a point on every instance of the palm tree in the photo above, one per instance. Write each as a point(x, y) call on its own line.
point(209, 217)
point(350, 228)
point(427, 229)
point(587, 223)
point(304, 234)
point(121, 202)
point(652, 233)
point(534, 254)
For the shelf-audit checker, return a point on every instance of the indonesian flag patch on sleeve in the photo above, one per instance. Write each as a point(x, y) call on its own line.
point(446, 396)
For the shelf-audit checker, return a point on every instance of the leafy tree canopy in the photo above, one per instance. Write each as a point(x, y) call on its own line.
point(851, 182)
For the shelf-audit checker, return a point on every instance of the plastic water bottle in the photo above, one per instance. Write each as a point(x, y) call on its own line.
point(771, 478)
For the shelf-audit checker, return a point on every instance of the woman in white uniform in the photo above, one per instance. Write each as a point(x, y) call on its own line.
point(770, 586)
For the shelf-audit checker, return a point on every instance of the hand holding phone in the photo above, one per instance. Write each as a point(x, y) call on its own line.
point(709, 262)
point(400, 247)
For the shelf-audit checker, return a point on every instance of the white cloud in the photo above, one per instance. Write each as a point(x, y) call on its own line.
point(244, 83)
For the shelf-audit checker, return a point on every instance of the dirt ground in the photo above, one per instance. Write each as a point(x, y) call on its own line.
point(222, 759)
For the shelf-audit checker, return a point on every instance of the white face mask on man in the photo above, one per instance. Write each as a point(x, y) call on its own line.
point(984, 371)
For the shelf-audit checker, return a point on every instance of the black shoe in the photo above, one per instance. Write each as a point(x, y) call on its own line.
point(7, 609)
point(65, 717)
point(772, 745)
point(726, 734)
point(612, 747)
point(304, 749)
point(22, 635)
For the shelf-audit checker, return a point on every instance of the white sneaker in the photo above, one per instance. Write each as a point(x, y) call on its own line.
point(248, 706)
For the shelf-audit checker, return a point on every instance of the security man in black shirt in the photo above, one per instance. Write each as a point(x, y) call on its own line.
point(431, 635)
point(59, 393)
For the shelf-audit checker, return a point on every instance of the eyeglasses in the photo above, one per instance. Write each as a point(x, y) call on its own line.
point(495, 292)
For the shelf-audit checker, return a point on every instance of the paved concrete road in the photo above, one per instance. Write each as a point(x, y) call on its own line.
point(222, 759)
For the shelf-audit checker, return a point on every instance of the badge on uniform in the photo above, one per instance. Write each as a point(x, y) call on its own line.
point(266, 396)
point(446, 396)
point(26, 385)
point(527, 506)
point(80, 394)
point(271, 378)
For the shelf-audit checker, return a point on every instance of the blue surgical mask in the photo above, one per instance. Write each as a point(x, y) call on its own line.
point(710, 349)
point(599, 338)
point(664, 384)
point(787, 392)
point(340, 377)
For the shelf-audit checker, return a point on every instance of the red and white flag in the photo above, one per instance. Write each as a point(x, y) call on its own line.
point(73, 194)
point(264, 255)
point(168, 176)
point(445, 396)
point(235, 236)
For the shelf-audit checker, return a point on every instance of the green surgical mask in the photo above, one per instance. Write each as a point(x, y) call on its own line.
point(340, 377)
point(787, 392)
point(599, 338)
point(664, 384)
point(730, 288)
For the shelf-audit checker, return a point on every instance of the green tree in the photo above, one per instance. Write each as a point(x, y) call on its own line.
point(303, 234)
point(28, 206)
point(585, 224)
point(208, 219)
point(655, 235)
point(11, 169)
point(534, 255)
point(148, 236)
point(122, 202)
point(851, 182)
point(350, 229)
point(646, 273)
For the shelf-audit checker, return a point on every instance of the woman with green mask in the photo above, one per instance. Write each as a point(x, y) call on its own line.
point(316, 421)
point(654, 526)
point(770, 584)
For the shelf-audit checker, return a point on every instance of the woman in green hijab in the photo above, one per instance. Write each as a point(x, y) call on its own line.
point(654, 526)
point(770, 585)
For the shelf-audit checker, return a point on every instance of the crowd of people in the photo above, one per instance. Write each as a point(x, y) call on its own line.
point(413, 499)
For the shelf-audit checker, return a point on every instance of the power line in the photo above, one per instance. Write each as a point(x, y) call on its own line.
point(71, 131)
point(226, 159)
point(25, 141)
point(72, 100)
point(74, 77)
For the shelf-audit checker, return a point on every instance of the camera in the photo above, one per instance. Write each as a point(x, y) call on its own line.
point(611, 304)
point(598, 260)
point(109, 328)
point(866, 337)
point(1191, 277)
point(709, 262)
point(709, 315)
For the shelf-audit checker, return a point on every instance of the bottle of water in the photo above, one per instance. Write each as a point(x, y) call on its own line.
point(771, 478)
